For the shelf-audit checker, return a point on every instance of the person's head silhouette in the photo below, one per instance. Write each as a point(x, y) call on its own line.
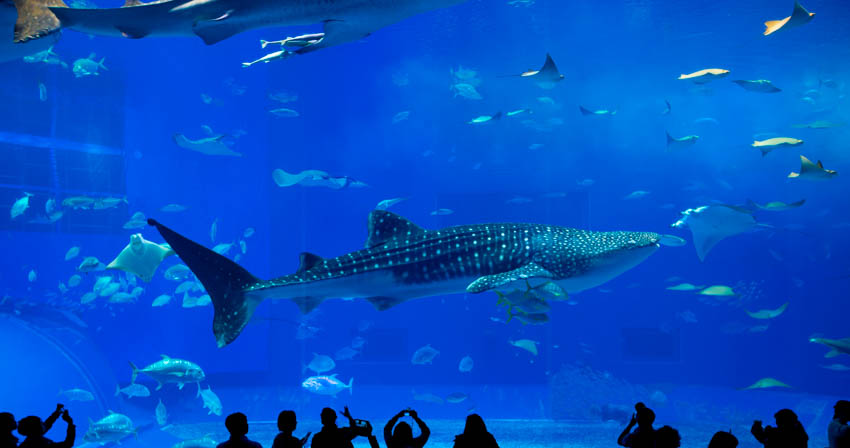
point(31, 426)
point(7, 422)
point(785, 418)
point(402, 434)
point(286, 421)
point(328, 417)
point(842, 410)
point(667, 437)
point(474, 425)
point(645, 416)
point(723, 439)
point(236, 424)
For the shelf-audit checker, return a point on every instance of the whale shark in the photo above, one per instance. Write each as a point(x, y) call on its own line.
point(216, 20)
point(402, 261)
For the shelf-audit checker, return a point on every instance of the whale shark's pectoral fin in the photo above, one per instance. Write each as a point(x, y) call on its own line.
point(489, 282)
point(218, 29)
point(307, 303)
point(382, 303)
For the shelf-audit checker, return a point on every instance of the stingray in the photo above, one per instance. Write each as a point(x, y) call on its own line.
point(710, 224)
point(211, 146)
point(758, 85)
point(766, 383)
point(812, 171)
point(774, 206)
point(586, 111)
point(548, 75)
point(141, 257)
point(768, 314)
point(799, 17)
point(315, 178)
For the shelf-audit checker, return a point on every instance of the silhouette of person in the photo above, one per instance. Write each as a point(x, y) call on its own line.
point(34, 429)
point(644, 435)
point(402, 436)
point(7, 425)
point(286, 424)
point(788, 433)
point(332, 436)
point(839, 431)
point(723, 439)
point(475, 434)
point(667, 437)
point(237, 426)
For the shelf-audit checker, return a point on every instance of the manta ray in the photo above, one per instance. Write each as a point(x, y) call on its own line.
point(402, 261)
point(710, 224)
point(548, 75)
point(798, 17)
point(216, 20)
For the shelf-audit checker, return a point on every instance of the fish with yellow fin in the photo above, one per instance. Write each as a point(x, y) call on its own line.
point(705, 75)
point(800, 16)
point(766, 146)
point(766, 383)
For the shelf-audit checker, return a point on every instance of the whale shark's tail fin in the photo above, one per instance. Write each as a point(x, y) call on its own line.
point(35, 19)
point(224, 280)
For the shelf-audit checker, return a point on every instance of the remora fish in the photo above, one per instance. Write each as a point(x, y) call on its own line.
point(402, 261)
point(216, 20)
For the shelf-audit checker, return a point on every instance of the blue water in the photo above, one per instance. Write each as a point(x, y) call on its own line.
point(627, 340)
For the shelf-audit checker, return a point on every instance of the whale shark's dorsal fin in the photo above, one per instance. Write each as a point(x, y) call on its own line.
point(128, 3)
point(308, 261)
point(384, 226)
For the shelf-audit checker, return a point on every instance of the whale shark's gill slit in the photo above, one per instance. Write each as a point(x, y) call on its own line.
point(224, 280)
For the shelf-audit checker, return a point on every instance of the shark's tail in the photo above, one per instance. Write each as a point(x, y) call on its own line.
point(35, 19)
point(224, 280)
point(584, 111)
point(135, 372)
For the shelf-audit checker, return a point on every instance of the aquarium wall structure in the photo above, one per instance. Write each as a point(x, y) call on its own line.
point(538, 211)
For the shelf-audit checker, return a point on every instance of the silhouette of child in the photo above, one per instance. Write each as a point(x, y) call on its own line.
point(34, 429)
point(667, 437)
point(839, 431)
point(475, 434)
point(723, 439)
point(644, 435)
point(286, 424)
point(402, 437)
point(788, 433)
point(237, 426)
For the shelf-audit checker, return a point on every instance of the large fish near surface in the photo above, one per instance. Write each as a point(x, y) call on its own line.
point(402, 261)
point(216, 20)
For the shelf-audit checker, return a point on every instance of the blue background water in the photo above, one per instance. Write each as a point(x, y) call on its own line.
point(622, 55)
